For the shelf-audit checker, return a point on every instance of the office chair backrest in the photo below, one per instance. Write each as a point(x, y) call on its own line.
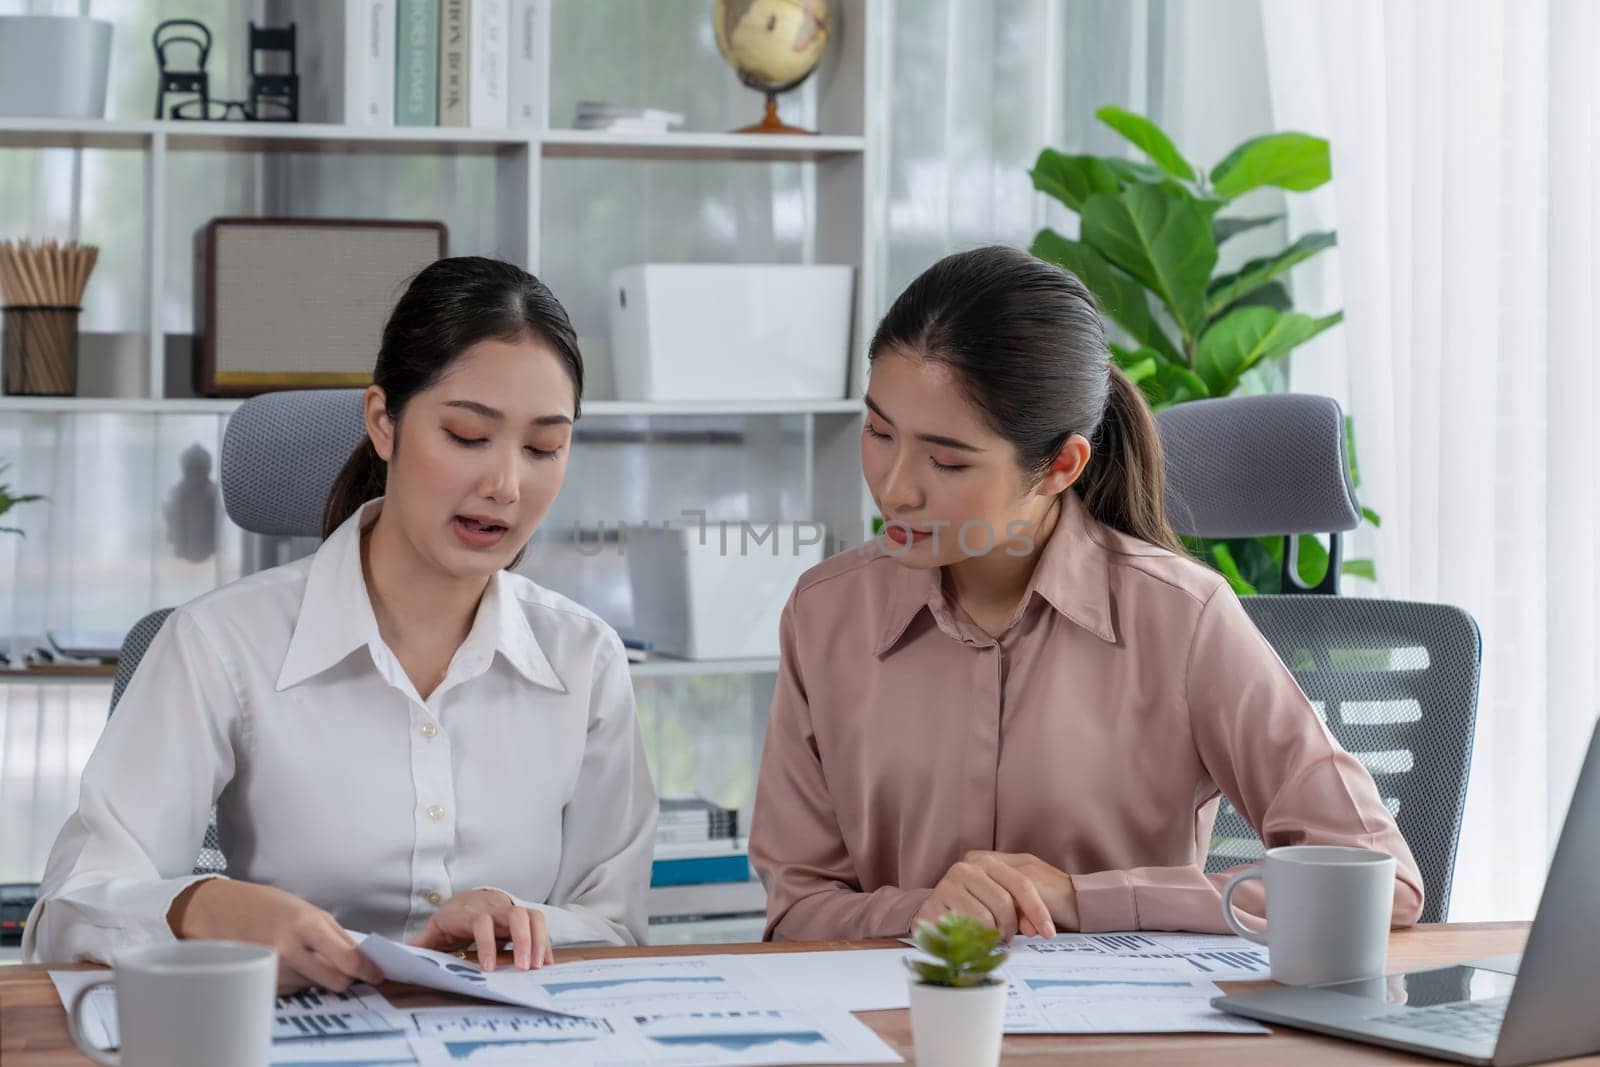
point(280, 455)
point(1257, 466)
point(1396, 682)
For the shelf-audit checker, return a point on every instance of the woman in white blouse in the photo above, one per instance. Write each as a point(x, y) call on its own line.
point(400, 735)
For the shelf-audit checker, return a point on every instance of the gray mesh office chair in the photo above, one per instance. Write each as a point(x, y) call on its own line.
point(280, 455)
point(1396, 682)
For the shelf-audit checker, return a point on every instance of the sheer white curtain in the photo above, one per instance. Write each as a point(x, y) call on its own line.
point(1464, 140)
point(980, 86)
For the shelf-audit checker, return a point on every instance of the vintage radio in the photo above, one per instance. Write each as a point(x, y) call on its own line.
point(299, 303)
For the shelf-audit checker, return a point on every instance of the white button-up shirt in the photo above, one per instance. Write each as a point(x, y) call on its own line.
point(275, 699)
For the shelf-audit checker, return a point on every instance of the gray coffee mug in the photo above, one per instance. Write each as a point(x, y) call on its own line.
point(1328, 912)
point(187, 1004)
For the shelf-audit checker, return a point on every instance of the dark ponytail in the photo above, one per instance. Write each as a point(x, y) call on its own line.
point(1024, 340)
point(451, 305)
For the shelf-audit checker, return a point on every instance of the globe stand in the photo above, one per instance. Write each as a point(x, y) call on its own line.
point(770, 123)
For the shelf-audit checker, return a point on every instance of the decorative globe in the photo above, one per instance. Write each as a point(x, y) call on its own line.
point(773, 45)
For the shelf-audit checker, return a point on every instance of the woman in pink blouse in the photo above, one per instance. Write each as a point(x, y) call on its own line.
point(1024, 701)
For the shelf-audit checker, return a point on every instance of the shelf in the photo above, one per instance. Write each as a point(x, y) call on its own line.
point(657, 668)
point(117, 405)
point(720, 407)
point(318, 137)
point(94, 405)
point(252, 136)
point(689, 668)
point(760, 147)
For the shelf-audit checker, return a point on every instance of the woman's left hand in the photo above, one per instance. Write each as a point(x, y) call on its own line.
point(487, 917)
point(1053, 884)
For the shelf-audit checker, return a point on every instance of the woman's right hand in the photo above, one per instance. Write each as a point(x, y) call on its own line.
point(312, 947)
point(986, 888)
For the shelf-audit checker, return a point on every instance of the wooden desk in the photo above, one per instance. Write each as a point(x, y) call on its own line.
point(33, 1026)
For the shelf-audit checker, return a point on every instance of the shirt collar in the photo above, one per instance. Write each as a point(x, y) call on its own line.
point(336, 616)
point(1073, 576)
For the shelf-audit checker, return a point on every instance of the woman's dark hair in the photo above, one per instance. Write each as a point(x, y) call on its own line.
point(451, 305)
point(1025, 342)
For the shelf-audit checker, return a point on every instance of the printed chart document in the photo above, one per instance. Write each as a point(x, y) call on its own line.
point(1214, 957)
point(1064, 996)
point(307, 1016)
point(644, 1039)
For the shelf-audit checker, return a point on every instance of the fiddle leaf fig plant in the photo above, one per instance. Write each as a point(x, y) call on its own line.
point(965, 952)
point(9, 501)
point(1147, 248)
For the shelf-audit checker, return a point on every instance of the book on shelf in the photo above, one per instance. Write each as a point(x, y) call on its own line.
point(416, 89)
point(529, 58)
point(683, 902)
point(454, 62)
point(704, 863)
point(489, 48)
point(694, 820)
point(638, 650)
point(346, 58)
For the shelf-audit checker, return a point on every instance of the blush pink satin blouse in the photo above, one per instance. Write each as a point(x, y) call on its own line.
point(1098, 732)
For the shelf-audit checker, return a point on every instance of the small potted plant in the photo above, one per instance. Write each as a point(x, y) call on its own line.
point(7, 501)
point(958, 1003)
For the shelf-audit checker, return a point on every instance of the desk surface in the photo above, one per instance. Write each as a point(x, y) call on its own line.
point(33, 1026)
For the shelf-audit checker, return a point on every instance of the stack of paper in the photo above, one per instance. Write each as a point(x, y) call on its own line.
point(597, 115)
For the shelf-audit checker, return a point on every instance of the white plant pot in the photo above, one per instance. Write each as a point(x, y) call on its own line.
point(957, 1027)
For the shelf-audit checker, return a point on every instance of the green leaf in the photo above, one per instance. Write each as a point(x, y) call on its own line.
point(1121, 298)
point(1312, 561)
point(1129, 171)
point(1350, 450)
point(1230, 570)
point(1148, 138)
point(1295, 161)
point(1272, 295)
point(1165, 383)
point(1371, 516)
point(1173, 383)
point(1243, 338)
point(1162, 237)
point(1227, 289)
point(1138, 372)
point(1072, 179)
point(1360, 568)
point(1222, 229)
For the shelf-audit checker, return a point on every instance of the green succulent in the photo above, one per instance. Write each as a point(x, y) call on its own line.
point(965, 952)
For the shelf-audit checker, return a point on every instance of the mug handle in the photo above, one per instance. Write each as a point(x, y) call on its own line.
point(75, 1026)
point(1227, 905)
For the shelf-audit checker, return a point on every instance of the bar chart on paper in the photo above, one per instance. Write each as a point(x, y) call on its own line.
point(1213, 957)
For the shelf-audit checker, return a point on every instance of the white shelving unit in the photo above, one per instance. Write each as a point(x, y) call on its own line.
point(846, 170)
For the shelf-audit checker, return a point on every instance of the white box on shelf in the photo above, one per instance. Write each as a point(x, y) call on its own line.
point(731, 331)
point(718, 596)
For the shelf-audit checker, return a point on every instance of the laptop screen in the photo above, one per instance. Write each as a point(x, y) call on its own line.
point(1423, 989)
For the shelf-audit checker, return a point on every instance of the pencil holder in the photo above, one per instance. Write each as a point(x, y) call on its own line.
point(40, 352)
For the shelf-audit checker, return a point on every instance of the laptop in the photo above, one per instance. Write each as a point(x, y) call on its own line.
point(1502, 1011)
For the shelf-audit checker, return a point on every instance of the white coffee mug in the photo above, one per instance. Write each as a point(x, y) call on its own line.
point(1328, 912)
point(187, 1004)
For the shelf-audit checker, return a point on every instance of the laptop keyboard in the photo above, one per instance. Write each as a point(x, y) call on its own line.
point(1469, 1019)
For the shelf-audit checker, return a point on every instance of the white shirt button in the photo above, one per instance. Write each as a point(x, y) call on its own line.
point(433, 897)
point(428, 729)
point(436, 813)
